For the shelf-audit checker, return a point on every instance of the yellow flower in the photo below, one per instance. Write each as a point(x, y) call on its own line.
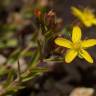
point(86, 16)
point(76, 46)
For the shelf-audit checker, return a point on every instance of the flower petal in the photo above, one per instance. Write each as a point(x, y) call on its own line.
point(63, 42)
point(76, 12)
point(70, 55)
point(76, 34)
point(88, 43)
point(86, 56)
point(87, 23)
point(94, 21)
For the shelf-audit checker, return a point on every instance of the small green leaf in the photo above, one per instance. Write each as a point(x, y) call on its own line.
point(12, 43)
point(35, 58)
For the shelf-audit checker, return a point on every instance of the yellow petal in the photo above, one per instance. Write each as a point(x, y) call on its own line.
point(76, 12)
point(86, 56)
point(94, 21)
point(88, 43)
point(63, 42)
point(87, 23)
point(70, 55)
point(76, 34)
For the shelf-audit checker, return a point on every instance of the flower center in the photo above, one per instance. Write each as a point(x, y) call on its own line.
point(76, 45)
point(88, 16)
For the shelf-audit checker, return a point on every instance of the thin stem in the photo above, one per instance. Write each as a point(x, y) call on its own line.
point(19, 71)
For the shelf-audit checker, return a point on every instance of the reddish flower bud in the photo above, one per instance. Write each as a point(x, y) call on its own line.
point(37, 12)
